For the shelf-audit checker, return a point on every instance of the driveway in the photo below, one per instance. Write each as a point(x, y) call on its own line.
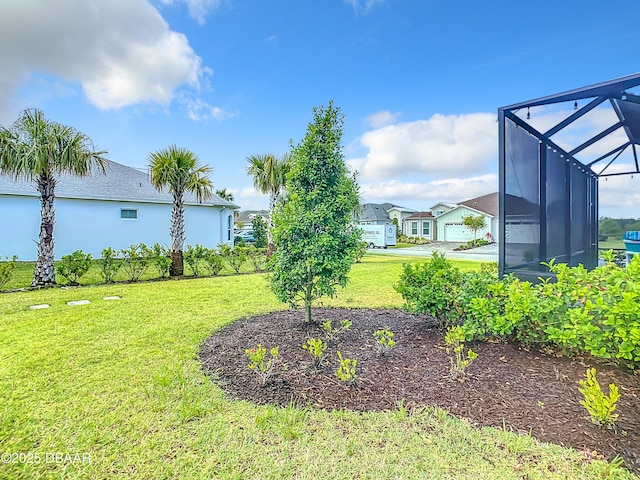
point(486, 253)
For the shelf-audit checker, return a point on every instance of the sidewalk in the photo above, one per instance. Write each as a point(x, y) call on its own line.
point(486, 253)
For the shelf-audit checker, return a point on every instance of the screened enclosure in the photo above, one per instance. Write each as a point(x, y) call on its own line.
point(553, 151)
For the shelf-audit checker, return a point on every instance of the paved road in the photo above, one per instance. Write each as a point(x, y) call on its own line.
point(487, 253)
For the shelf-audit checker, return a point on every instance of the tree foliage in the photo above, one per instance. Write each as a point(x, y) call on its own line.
point(38, 149)
point(259, 227)
point(474, 223)
point(269, 176)
point(315, 244)
point(179, 170)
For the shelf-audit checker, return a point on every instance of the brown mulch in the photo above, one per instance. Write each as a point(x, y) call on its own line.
point(525, 391)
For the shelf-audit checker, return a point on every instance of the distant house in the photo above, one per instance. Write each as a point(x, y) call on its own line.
point(383, 213)
point(449, 226)
point(420, 225)
point(245, 218)
point(114, 210)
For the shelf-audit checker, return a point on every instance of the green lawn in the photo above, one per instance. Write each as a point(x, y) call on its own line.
point(119, 382)
point(611, 243)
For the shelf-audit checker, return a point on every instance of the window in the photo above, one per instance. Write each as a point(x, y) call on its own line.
point(426, 228)
point(414, 228)
point(439, 212)
point(229, 228)
point(129, 213)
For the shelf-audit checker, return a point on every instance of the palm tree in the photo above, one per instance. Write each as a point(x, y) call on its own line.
point(38, 149)
point(269, 176)
point(223, 194)
point(179, 169)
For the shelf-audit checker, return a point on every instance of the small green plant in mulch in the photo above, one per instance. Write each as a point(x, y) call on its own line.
point(332, 333)
point(460, 361)
point(316, 348)
point(385, 341)
point(599, 405)
point(346, 371)
point(260, 363)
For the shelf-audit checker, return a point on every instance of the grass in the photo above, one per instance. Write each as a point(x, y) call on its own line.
point(119, 381)
point(611, 243)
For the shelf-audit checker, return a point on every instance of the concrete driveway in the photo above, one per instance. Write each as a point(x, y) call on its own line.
point(486, 253)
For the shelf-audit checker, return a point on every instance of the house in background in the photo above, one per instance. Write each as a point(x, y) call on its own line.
point(449, 226)
point(441, 208)
point(115, 210)
point(420, 225)
point(383, 214)
point(245, 218)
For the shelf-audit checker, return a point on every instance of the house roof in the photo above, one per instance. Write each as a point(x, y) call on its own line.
point(247, 215)
point(450, 205)
point(486, 204)
point(374, 211)
point(121, 183)
point(420, 216)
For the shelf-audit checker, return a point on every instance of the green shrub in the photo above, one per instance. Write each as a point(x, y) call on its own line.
point(432, 288)
point(193, 256)
point(6, 269)
point(136, 260)
point(109, 264)
point(384, 340)
point(259, 363)
point(316, 348)
point(599, 405)
point(161, 259)
point(214, 261)
point(257, 257)
point(235, 257)
point(593, 311)
point(346, 371)
point(460, 360)
point(360, 251)
point(73, 266)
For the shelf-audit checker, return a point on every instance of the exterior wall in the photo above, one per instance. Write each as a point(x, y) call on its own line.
point(408, 228)
point(92, 225)
point(400, 216)
point(455, 216)
point(440, 207)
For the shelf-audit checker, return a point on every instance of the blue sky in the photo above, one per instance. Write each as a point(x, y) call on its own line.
point(419, 81)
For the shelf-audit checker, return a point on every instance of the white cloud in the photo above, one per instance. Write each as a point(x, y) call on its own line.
point(198, 109)
point(121, 52)
point(443, 145)
point(364, 6)
point(199, 10)
point(427, 193)
point(381, 119)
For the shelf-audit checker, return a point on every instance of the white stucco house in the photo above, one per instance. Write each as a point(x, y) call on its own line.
point(115, 210)
point(449, 225)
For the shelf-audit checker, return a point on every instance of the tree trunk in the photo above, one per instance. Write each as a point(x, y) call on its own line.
point(273, 199)
point(177, 235)
point(307, 298)
point(44, 274)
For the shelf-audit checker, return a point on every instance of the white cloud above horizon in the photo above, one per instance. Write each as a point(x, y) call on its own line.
point(364, 6)
point(199, 10)
point(381, 119)
point(443, 145)
point(120, 52)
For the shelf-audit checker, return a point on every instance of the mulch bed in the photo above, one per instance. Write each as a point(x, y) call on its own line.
point(526, 391)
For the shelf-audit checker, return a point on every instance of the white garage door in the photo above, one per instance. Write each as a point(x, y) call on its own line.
point(456, 232)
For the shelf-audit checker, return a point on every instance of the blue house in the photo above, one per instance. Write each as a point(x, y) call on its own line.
point(115, 210)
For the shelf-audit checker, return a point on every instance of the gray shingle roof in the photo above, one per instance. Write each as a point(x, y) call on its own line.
point(120, 183)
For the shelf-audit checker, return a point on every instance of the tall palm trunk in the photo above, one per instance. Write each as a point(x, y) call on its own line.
point(177, 235)
point(45, 274)
point(273, 199)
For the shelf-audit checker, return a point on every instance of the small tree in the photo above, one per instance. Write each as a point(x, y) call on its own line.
point(259, 226)
point(315, 244)
point(474, 223)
